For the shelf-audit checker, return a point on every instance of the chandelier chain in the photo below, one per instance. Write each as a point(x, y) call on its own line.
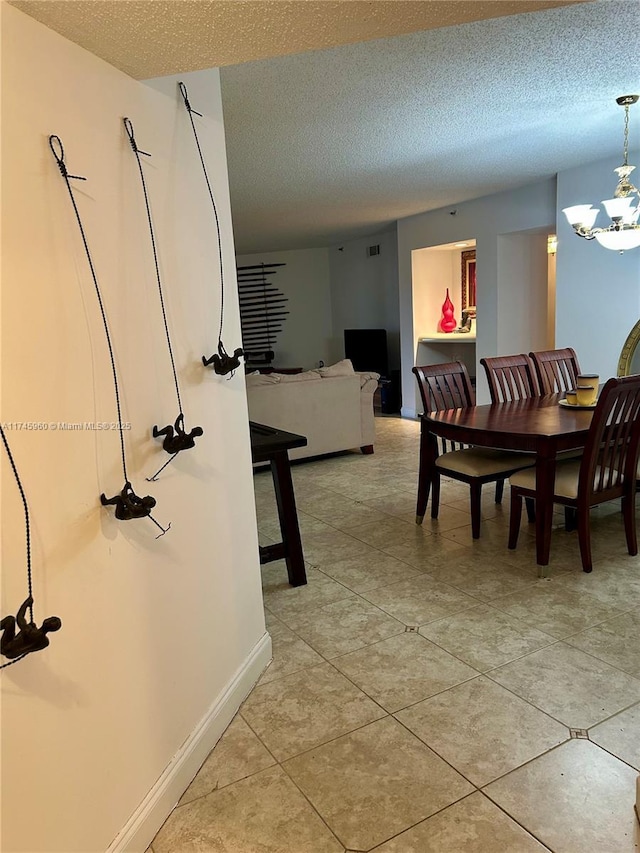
point(626, 135)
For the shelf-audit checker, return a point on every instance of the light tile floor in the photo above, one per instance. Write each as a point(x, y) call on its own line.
point(428, 693)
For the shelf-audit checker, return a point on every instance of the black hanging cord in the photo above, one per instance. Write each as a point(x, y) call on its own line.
point(54, 143)
point(176, 439)
point(28, 604)
point(128, 504)
point(128, 126)
point(223, 363)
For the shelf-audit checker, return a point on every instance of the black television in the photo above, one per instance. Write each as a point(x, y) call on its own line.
point(367, 349)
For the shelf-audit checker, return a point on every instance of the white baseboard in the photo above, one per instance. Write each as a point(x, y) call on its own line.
point(141, 828)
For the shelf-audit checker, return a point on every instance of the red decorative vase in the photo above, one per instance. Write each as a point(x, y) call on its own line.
point(448, 322)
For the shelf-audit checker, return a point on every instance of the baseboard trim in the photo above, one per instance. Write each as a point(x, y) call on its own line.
point(144, 823)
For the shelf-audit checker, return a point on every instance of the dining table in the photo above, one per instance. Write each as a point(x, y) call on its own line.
point(538, 425)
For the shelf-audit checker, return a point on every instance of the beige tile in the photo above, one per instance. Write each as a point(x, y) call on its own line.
point(448, 520)
point(489, 507)
point(369, 571)
point(263, 814)
point(615, 589)
point(393, 531)
point(616, 641)
point(574, 799)
point(555, 610)
point(472, 825)
point(343, 627)
point(290, 653)
point(237, 754)
point(419, 600)
point(337, 510)
point(306, 709)
point(567, 684)
point(482, 730)
point(427, 553)
point(402, 505)
point(375, 782)
point(485, 637)
point(621, 735)
point(332, 545)
point(284, 600)
point(402, 670)
point(486, 580)
point(269, 524)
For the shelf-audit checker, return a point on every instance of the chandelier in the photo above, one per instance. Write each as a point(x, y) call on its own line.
point(623, 209)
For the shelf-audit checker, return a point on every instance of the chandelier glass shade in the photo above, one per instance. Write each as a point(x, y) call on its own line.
point(623, 209)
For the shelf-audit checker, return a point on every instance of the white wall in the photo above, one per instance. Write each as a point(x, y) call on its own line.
point(521, 210)
point(597, 290)
point(307, 333)
point(434, 270)
point(364, 290)
point(523, 293)
point(156, 633)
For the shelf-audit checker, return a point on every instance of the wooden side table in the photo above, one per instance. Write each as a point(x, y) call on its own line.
point(272, 445)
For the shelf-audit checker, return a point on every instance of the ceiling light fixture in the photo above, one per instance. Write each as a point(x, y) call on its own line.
point(623, 209)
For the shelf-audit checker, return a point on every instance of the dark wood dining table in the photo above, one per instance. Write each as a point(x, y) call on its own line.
point(539, 425)
point(272, 445)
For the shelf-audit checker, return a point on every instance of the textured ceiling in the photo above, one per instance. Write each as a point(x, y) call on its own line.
point(333, 144)
point(151, 38)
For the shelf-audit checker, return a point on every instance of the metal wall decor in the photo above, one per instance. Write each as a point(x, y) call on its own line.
point(128, 504)
point(261, 312)
point(176, 439)
point(29, 638)
point(223, 363)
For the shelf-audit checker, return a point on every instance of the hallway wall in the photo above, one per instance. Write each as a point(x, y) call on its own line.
point(161, 638)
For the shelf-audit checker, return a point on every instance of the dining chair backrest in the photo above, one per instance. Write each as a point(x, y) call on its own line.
point(444, 386)
point(511, 377)
point(557, 369)
point(611, 452)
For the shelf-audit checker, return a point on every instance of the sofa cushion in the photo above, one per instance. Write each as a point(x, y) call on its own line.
point(340, 368)
point(298, 377)
point(254, 379)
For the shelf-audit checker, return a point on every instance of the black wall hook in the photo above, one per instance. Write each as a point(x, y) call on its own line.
point(185, 98)
point(57, 149)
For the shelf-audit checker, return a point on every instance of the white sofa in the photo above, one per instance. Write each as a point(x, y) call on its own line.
point(332, 407)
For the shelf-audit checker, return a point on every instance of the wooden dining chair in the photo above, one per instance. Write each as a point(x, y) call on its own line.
point(448, 386)
point(606, 471)
point(556, 369)
point(511, 377)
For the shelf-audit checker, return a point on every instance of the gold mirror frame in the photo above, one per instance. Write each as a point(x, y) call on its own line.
point(628, 351)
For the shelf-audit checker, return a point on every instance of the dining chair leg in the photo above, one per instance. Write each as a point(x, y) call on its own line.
point(424, 487)
point(435, 495)
point(629, 515)
point(570, 519)
point(584, 538)
point(424, 477)
point(476, 508)
point(531, 510)
point(515, 515)
point(499, 491)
